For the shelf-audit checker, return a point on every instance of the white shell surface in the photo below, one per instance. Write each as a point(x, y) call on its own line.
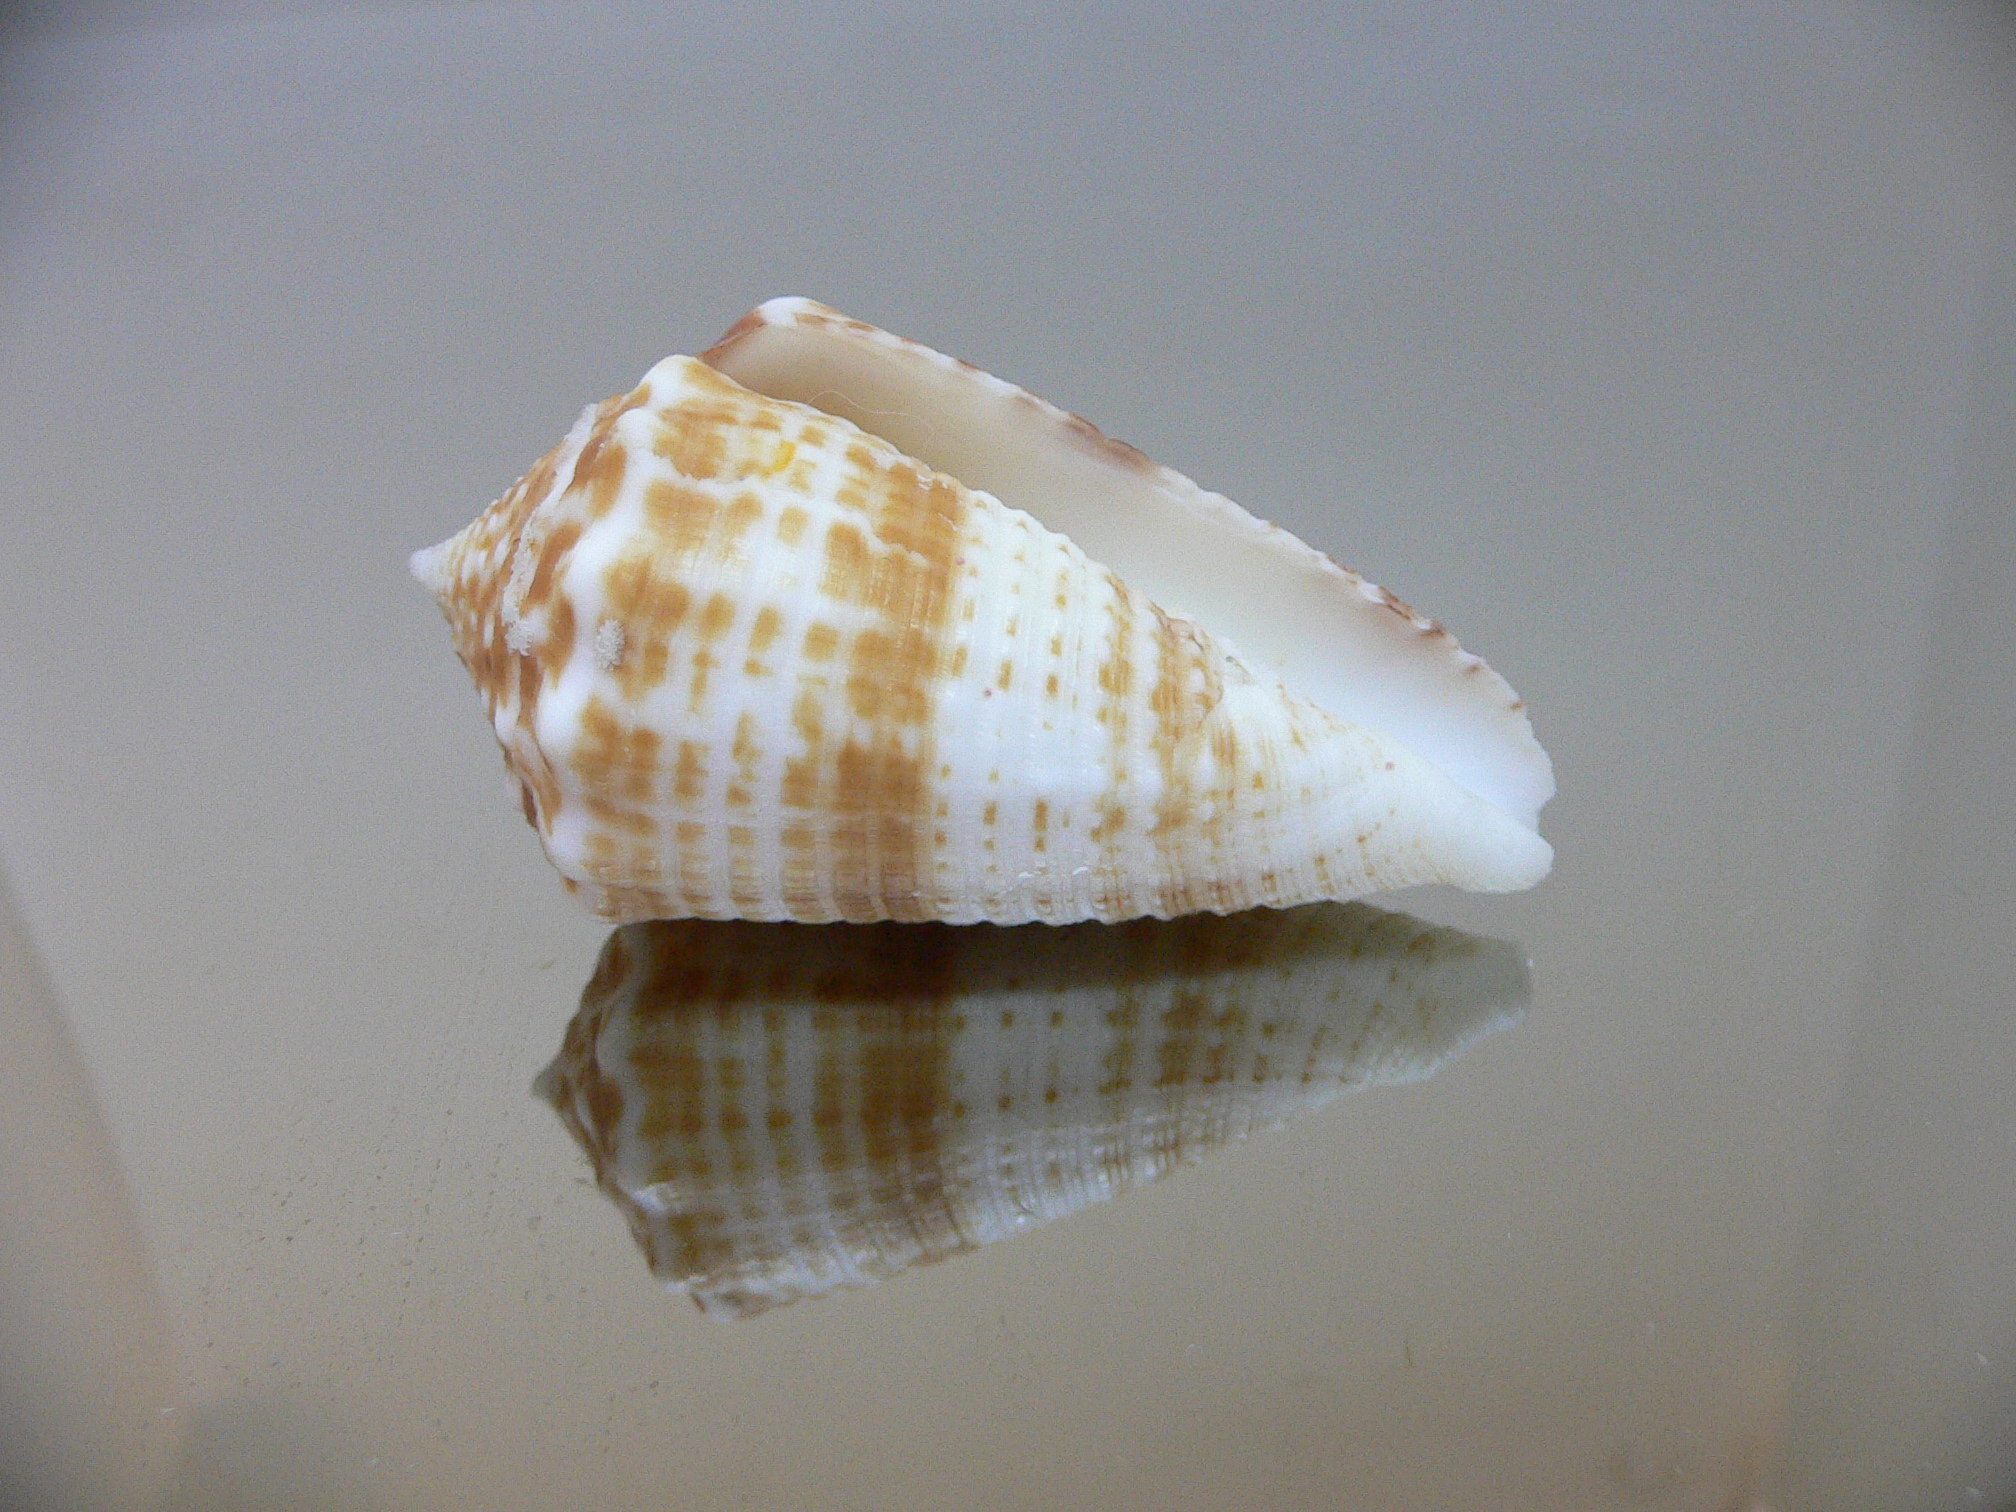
point(749, 660)
point(1295, 616)
point(780, 1112)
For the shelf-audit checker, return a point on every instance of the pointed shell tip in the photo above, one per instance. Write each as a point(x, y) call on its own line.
point(429, 568)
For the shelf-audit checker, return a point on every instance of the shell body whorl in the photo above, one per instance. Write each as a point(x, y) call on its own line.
point(748, 660)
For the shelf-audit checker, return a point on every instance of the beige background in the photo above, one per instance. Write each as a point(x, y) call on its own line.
point(1665, 353)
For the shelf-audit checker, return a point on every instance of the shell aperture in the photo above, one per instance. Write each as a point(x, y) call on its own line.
point(780, 1111)
point(749, 659)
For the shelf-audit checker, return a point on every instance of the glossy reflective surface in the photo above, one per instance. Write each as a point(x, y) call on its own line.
point(1667, 358)
point(780, 1113)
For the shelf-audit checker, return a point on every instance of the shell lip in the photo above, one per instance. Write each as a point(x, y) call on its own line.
point(1446, 704)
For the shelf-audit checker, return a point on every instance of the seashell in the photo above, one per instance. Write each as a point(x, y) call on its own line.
point(824, 626)
point(781, 1111)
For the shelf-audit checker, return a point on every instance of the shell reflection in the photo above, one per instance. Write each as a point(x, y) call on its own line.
point(783, 1110)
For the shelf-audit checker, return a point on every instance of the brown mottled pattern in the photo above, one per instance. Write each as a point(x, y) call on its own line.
point(714, 621)
point(484, 567)
point(761, 635)
point(650, 604)
point(473, 602)
point(746, 884)
point(618, 764)
point(856, 838)
point(602, 464)
point(1186, 688)
point(1116, 707)
point(875, 778)
point(767, 593)
point(1187, 685)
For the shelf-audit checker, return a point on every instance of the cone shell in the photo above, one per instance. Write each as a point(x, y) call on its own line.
point(780, 1112)
point(747, 659)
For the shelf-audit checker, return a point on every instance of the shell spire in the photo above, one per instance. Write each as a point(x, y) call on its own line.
point(429, 567)
point(826, 626)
